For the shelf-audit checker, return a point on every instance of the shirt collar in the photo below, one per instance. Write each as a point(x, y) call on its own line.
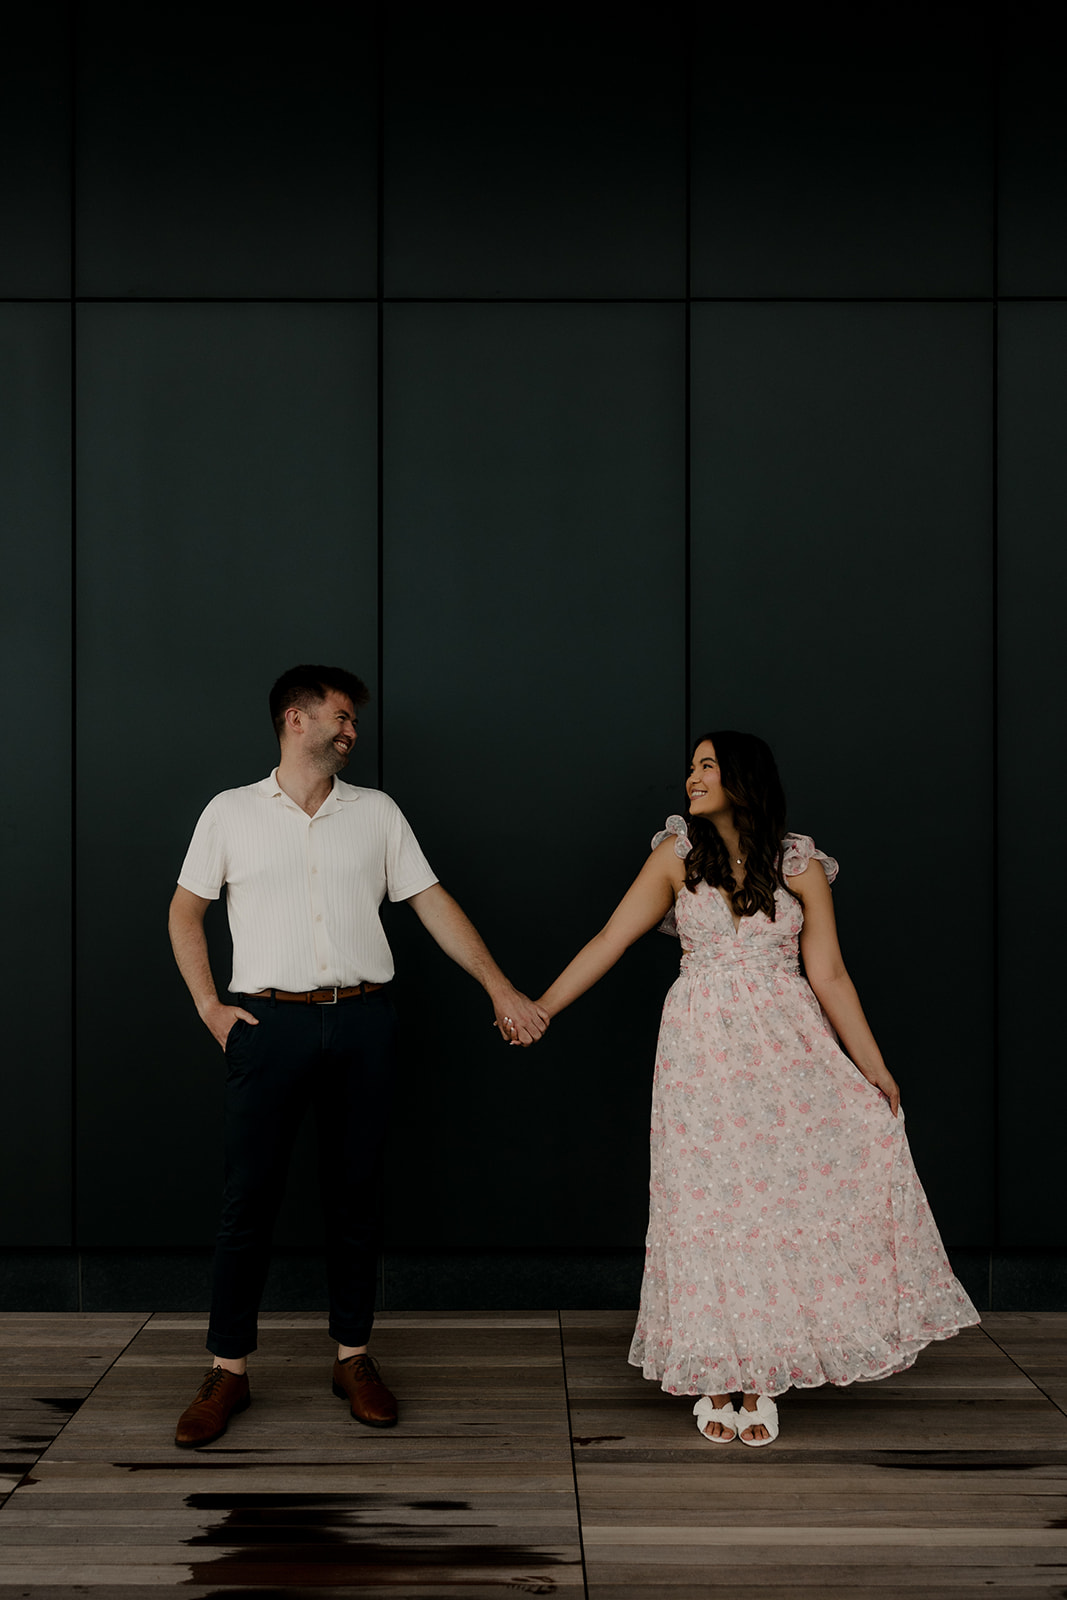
point(341, 793)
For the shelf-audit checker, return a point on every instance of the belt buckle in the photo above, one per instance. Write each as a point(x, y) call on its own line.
point(332, 1002)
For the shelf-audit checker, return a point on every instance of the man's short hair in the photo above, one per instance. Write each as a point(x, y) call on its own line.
point(306, 686)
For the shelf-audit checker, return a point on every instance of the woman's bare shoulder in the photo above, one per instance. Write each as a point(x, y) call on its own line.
point(667, 861)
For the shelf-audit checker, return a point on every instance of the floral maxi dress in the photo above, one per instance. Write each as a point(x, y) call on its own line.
point(789, 1241)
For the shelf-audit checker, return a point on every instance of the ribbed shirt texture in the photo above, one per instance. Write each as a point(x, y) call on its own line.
point(303, 893)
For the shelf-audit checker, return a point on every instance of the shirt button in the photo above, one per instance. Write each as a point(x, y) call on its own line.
point(322, 966)
point(314, 871)
point(319, 917)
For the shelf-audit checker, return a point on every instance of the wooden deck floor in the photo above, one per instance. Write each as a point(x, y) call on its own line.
point(530, 1459)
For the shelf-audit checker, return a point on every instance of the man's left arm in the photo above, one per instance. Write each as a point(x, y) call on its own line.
point(450, 927)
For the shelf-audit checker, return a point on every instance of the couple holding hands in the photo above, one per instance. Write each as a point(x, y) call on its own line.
point(790, 1242)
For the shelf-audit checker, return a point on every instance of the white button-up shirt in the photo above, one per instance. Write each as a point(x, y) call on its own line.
point(303, 893)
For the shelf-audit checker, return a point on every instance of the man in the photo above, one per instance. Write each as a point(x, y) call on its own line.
point(306, 861)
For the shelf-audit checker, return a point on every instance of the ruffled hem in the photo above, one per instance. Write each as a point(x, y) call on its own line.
point(699, 1377)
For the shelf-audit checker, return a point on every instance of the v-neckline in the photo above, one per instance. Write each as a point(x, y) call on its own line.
point(730, 911)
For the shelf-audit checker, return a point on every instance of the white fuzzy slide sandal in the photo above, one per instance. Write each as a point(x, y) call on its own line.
point(705, 1411)
point(766, 1412)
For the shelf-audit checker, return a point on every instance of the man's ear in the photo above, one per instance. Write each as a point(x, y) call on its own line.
point(292, 718)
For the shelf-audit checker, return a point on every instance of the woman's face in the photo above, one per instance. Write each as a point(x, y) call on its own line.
point(707, 797)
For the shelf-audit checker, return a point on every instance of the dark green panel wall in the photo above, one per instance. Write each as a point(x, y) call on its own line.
point(842, 151)
point(35, 628)
point(842, 607)
point(35, 118)
point(855, 177)
point(1033, 767)
point(1032, 165)
point(517, 165)
point(227, 522)
point(226, 153)
point(534, 712)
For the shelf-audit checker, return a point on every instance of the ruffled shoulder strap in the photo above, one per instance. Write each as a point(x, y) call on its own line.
point(797, 850)
point(677, 826)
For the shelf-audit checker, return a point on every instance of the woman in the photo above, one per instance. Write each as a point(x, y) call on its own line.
point(790, 1242)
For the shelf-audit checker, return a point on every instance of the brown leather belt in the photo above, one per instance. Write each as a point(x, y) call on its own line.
point(318, 997)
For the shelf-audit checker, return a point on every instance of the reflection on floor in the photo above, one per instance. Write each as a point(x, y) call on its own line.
point(530, 1459)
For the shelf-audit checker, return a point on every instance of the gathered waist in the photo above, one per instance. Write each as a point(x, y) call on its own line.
point(697, 962)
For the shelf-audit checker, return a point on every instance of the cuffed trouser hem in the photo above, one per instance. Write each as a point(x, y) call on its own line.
point(229, 1349)
point(352, 1337)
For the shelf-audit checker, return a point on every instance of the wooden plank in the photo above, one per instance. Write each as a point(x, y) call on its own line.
point(485, 1589)
point(839, 1581)
point(911, 1539)
point(628, 1563)
point(521, 1577)
point(448, 1343)
point(432, 1320)
point(34, 1527)
point(888, 1476)
point(908, 1514)
point(193, 1472)
point(505, 1587)
point(1027, 1429)
point(68, 1543)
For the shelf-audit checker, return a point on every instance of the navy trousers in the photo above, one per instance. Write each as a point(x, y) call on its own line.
point(339, 1059)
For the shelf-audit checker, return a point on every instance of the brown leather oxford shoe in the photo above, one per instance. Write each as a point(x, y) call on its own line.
point(357, 1380)
point(221, 1395)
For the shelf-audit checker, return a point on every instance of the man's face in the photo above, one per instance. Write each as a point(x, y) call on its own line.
point(330, 731)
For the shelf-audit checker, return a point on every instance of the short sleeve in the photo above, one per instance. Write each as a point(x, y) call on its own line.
point(204, 868)
point(677, 826)
point(407, 870)
point(798, 850)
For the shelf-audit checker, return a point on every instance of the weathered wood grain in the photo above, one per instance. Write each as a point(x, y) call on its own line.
point(49, 1365)
point(950, 1478)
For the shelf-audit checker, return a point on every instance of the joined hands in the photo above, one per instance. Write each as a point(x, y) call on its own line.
point(519, 1020)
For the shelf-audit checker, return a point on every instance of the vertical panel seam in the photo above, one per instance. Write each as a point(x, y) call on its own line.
point(72, 91)
point(687, 631)
point(994, 92)
point(379, 372)
point(379, 379)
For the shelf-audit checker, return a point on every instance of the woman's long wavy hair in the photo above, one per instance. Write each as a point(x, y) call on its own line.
point(750, 778)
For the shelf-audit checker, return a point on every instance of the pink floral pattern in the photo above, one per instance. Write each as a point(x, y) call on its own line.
point(789, 1242)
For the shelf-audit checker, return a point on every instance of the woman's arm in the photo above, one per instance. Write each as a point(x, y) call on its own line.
point(644, 904)
point(833, 987)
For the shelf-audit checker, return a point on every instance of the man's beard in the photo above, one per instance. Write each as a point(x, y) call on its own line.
point(329, 759)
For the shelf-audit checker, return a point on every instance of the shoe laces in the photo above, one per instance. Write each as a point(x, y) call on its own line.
point(365, 1366)
point(212, 1379)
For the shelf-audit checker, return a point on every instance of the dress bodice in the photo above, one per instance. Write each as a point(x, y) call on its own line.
point(705, 926)
point(703, 920)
